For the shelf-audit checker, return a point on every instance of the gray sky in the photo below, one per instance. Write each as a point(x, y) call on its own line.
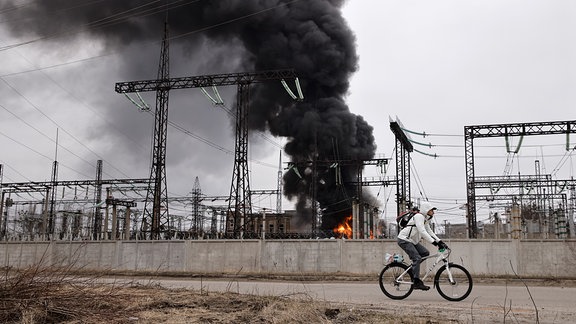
point(436, 65)
point(443, 65)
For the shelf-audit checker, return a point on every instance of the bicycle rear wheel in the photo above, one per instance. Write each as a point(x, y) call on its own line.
point(392, 284)
point(456, 289)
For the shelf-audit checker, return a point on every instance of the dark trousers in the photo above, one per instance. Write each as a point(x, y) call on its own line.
point(415, 252)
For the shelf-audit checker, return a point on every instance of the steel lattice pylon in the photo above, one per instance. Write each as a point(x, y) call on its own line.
point(156, 220)
point(239, 204)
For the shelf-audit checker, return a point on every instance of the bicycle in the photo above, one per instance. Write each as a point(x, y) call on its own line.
point(452, 281)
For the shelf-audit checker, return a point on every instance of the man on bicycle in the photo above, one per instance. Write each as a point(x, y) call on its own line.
point(418, 227)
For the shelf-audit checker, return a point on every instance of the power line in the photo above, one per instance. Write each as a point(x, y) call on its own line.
point(209, 143)
point(419, 183)
point(51, 120)
point(562, 161)
point(89, 108)
point(45, 156)
point(154, 42)
point(105, 22)
point(23, 5)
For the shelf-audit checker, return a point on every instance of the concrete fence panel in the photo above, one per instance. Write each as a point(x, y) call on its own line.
point(527, 258)
point(548, 258)
point(24, 254)
point(223, 256)
point(291, 256)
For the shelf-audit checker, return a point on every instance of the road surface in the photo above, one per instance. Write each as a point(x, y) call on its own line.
point(501, 302)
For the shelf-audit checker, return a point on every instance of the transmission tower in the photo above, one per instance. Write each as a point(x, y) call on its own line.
point(157, 192)
point(155, 220)
point(239, 204)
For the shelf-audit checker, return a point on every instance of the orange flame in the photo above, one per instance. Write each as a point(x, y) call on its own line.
point(344, 229)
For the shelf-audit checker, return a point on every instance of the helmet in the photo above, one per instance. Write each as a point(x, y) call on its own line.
point(426, 206)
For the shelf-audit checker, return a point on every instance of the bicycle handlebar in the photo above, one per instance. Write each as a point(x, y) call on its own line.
point(445, 251)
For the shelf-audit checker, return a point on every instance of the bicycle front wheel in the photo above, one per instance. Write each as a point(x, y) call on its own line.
point(394, 282)
point(453, 282)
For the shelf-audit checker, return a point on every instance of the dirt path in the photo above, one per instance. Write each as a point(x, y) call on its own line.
point(500, 302)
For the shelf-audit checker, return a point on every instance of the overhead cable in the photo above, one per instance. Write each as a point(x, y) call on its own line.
point(288, 89)
point(424, 134)
point(141, 106)
point(107, 21)
point(218, 100)
point(418, 181)
point(423, 144)
point(517, 147)
point(290, 92)
point(52, 121)
point(217, 94)
point(150, 42)
point(427, 154)
point(300, 95)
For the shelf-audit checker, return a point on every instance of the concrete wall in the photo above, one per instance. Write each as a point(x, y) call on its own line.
point(528, 258)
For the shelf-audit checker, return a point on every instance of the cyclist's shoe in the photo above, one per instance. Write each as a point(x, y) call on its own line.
point(418, 284)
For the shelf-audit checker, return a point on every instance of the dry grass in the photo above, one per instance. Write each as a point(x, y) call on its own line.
point(50, 295)
point(44, 295)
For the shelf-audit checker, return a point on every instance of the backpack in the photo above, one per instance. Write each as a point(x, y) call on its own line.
point(403, 219)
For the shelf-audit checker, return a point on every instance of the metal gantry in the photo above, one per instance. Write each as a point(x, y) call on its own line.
point(403, 149)
point(503, 130)
point(205, 81)
point(240, 203)
point(158, 219)
point(47, 219)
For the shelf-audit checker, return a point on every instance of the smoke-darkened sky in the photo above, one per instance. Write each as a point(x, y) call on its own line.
point(437, 66)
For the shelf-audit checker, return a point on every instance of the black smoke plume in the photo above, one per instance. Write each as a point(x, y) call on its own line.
point(310, 36)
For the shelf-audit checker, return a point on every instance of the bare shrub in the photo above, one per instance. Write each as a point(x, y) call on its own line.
point(40, 294)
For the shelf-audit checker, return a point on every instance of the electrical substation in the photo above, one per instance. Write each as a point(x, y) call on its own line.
point(139, 209)
point(287, 161)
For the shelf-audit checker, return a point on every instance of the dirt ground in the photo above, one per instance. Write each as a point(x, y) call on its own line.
point(97, 303)
point(160, 305)
point(39, 295)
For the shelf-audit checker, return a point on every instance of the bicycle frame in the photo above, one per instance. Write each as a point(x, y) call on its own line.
point(452, 281)
point(440, 256)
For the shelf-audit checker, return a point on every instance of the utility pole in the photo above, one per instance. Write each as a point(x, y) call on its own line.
point(196, 214)
point(98, 200)
point(1, 201)
point(51, 218)
point(279, 187)
point(570, 211)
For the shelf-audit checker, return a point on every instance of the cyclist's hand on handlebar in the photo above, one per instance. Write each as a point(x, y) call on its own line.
point(442, 245)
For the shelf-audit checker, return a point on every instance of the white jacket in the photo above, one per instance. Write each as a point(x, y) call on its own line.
point(418, 227)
